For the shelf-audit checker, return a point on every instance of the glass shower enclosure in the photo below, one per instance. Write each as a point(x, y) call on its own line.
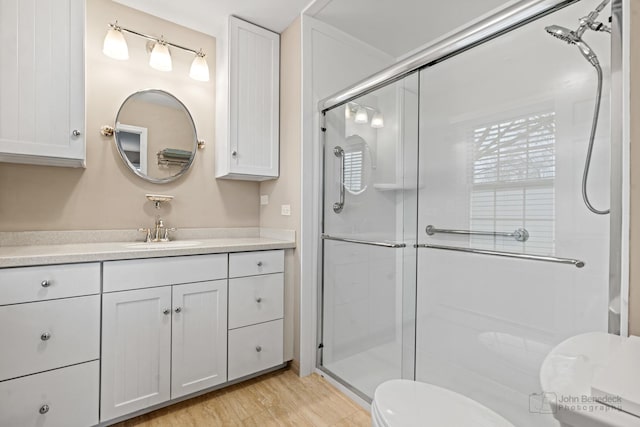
point(369, 258)
point(456, 247)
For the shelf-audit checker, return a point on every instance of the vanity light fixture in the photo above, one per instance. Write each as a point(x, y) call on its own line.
point(115, 46)
point(199, 68)
point(361, 116)
point(377, 121)
point(160, 58)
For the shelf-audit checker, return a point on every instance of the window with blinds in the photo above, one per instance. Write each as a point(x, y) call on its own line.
point(353, 163)
point(513, 173)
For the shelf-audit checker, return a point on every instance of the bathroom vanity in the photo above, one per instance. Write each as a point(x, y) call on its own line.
point(134, 329)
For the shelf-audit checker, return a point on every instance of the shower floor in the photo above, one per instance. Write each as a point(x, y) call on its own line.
point(368, 369)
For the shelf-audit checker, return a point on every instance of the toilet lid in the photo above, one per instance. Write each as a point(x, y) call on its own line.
point(401, 403)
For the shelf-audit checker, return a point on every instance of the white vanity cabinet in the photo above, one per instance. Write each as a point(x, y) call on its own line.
point(248, 138)
point(50, 334)
point(42, 66)
point(165, 340)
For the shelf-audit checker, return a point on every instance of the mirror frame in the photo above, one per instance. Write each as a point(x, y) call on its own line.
point(128, 163)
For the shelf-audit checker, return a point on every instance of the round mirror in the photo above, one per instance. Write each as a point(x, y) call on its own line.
point(357, 165)
point(155, 135)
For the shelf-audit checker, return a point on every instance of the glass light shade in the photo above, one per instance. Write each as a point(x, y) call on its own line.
point(115, 46)
point(199, 69)
point(160, 57)
point(361, 116)
point(347, 112)
point(377, 121)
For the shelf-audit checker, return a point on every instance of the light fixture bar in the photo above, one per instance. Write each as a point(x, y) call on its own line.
point(154, 39)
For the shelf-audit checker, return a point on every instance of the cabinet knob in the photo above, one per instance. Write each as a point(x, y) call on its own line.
point(259, 263)
point(44, 409)
point(45, 283)
point(234, 153)
point(45, 336)
point(259, 299)
point(178, 309)
point(166, 312)
point(258, 348)
point(76, 132)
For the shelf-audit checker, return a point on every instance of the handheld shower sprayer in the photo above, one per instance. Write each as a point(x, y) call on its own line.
point(575, 38)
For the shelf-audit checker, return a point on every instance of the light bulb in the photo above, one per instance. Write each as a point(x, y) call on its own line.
point(199, 68)
point(377, 121)
point(160, 57)
point(115, 46)
point(347, 112)
point(361, 116)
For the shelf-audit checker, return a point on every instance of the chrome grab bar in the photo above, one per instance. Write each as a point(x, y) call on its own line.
point(521, 234)
point(570, 261)
point(364, 242)
point(339, 152)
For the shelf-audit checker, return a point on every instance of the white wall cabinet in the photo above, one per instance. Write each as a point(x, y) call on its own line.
point(42, 82)
point(248, 137)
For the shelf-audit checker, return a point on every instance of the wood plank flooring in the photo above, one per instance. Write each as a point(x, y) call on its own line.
point(277, 399)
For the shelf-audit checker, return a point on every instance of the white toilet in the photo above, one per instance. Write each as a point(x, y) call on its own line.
point(585, 369)
point(405, 403)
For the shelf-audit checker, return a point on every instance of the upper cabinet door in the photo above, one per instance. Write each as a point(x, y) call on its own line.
point(251, 151)
point(42, 82)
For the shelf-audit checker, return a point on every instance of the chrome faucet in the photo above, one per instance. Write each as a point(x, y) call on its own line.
point(159, 233)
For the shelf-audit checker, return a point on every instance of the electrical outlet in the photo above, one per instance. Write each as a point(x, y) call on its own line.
point(286, 210)
point(264, 199)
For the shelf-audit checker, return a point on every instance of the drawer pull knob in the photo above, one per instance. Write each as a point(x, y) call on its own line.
point(44, 409)
point(45, 336)
point(259, 263)
point(258, 299)
point(45, 283)
point(258, 348)
point(178, 309)
point(166, 312)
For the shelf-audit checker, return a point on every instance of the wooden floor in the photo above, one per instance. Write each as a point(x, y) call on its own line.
point(277, 399)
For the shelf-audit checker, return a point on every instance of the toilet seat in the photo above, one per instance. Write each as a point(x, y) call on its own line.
point(405, 403)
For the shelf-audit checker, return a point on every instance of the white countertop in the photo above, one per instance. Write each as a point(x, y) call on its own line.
point(17, 255)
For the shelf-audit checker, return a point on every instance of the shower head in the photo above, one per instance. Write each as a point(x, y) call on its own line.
point(571, 37)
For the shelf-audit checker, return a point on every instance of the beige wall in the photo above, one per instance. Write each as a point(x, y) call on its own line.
point(634, 255)
point(286, 190)
point(106, 195)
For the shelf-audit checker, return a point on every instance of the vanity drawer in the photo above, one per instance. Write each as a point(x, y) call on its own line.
point(255, 348)
point(73, 328)
point(255, 299)
point(152, 272)
point(253, 263)
point(26, 284)
point(70, 395)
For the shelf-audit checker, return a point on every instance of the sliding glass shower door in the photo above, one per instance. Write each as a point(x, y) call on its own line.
point(369, 232)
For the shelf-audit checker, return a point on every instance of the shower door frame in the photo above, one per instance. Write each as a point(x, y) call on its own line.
point(508, 19)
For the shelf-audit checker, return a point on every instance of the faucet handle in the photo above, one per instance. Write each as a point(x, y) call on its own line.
point(147, 231)
point(165, 238)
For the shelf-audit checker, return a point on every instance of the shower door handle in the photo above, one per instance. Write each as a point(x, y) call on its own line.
point(339, 152)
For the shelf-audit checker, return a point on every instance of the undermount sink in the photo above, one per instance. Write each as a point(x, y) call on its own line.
point(172, 244)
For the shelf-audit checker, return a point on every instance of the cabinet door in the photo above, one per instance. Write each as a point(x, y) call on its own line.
point(199, 348)
point(136, 350)
point(42, 82)
point(254, 59)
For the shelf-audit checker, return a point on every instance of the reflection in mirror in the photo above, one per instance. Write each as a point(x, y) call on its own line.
point(155, 135)
point(357, 161)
